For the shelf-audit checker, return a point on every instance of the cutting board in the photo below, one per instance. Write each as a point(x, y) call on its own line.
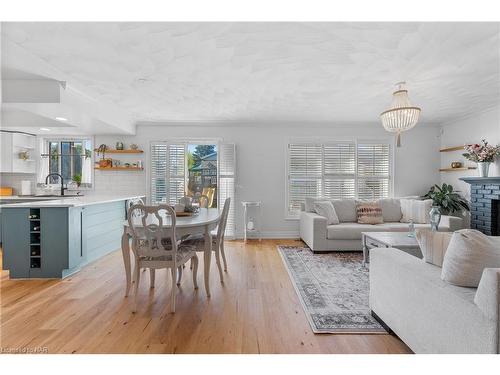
point(5, 191)
point(183, 214)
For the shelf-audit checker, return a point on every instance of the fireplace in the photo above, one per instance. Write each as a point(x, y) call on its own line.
point(485, 204)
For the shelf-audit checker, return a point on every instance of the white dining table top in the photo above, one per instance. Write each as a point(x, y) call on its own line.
point(206, 216)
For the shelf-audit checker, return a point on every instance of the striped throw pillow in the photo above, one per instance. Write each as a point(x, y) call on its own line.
point(416, 211)
point(433, 245)
point(369, 213)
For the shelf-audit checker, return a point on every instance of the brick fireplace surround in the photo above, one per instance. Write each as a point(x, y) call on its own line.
point(485, 200)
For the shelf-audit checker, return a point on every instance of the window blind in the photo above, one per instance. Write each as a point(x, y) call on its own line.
point(373, 170)
point(227, 169)
point(304, 173)
point(337, 170)
point(176, 172)
point(159, 173)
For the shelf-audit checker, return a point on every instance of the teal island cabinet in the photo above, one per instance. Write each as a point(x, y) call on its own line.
point(54, 239)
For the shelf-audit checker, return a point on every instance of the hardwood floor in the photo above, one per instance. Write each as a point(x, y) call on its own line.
point(256, 310)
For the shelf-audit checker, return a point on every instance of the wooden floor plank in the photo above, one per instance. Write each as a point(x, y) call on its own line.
point(255, 310)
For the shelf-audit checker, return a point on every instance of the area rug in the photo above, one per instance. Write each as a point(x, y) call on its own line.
point(333, 289)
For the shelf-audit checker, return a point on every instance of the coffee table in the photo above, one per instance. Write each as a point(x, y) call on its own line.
point(399, 240)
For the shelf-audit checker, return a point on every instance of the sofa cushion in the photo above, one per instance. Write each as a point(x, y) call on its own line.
point(391, 209)
point(309, 203)
point(346, 210)
point(326, 209)
point(433, 245)
point(352, 231)
point(369, 213)
point(468, 254)
point(416, 210)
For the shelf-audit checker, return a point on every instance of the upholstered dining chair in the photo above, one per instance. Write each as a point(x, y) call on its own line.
point(155, 246)
point(198, 241)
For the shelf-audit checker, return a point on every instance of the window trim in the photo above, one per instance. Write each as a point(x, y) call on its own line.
point(325, 141)
point(62, 138)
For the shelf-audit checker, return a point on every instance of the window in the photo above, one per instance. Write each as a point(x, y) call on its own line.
point(188, 168)
point(337, 170)
point(71, 158)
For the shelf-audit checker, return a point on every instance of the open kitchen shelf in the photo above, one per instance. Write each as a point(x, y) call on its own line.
point(119, 169)
point(122, 151)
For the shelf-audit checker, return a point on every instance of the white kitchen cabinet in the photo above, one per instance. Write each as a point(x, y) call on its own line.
point(12, 145)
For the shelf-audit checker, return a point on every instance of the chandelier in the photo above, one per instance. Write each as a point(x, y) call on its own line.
point(401, 116)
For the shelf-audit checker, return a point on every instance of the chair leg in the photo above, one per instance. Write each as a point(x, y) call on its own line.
point(179, 275)
point(191, 264)
point(136, 286)
point(173, 271)
point(219, 266)
point(134, 273)
point(194, 263)
point(223, 255)
point(152, 277)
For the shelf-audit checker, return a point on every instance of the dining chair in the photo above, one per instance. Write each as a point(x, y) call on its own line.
point(198, 241)
point(155, 246)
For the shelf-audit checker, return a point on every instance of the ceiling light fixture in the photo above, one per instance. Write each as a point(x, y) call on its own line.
point(401, 116)
point(61, 119)
point(45, 129)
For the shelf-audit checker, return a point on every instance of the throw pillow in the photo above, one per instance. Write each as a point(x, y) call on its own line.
point(391, 209)
point(369, 213)
point(416, 211)
point(433, 245)
point(309, 203)
point(346, 210)
point(468, 254)
point(327, 210)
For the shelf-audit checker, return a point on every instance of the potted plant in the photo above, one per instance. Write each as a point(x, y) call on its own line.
point(78, 179)
point(445, 200)
point(483, 154)
point(103, 163)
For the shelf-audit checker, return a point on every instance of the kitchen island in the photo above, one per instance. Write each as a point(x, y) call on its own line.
point(54, 238)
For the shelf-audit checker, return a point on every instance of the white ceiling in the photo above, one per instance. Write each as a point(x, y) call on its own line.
point(339, 72)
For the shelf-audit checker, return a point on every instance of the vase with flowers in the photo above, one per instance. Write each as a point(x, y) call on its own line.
point(483, 154)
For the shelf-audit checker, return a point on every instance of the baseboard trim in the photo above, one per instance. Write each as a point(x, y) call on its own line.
point(275, 235)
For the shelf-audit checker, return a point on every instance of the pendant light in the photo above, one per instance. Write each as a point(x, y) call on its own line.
point(401, 116)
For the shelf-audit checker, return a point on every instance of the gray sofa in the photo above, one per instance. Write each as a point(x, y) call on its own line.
point(346, 236)
point(428, 314)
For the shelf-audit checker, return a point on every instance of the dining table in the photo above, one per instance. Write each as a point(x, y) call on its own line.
point(203, 222)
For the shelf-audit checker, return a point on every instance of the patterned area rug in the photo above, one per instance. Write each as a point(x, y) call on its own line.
point(333, 289)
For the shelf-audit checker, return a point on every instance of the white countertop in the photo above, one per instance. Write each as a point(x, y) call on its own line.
point(85, 200)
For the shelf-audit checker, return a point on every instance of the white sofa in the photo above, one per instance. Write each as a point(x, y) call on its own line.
point(428, 314)
point(346, 236)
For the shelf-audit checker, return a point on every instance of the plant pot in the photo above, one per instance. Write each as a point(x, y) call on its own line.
point(483, 168)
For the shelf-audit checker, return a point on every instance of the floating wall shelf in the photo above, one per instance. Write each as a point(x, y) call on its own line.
point(456, 169)
point(122, 151)
point(449, 149)
point(119, 169)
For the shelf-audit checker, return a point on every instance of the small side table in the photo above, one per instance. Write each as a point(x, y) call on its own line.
point(252, 217)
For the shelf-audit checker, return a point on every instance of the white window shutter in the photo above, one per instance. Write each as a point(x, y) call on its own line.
point(374, 166)
point(304, 174)
point(227, 171)
point(339, 170)
point(159, 172)
point(176, 172)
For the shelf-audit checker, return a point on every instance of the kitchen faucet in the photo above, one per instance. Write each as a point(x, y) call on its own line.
point(62, 181)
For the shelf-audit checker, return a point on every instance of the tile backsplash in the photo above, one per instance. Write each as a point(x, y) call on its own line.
point(14, 180)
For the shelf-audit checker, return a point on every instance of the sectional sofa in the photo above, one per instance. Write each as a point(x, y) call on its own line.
point(427, 313)
point(346, 236)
